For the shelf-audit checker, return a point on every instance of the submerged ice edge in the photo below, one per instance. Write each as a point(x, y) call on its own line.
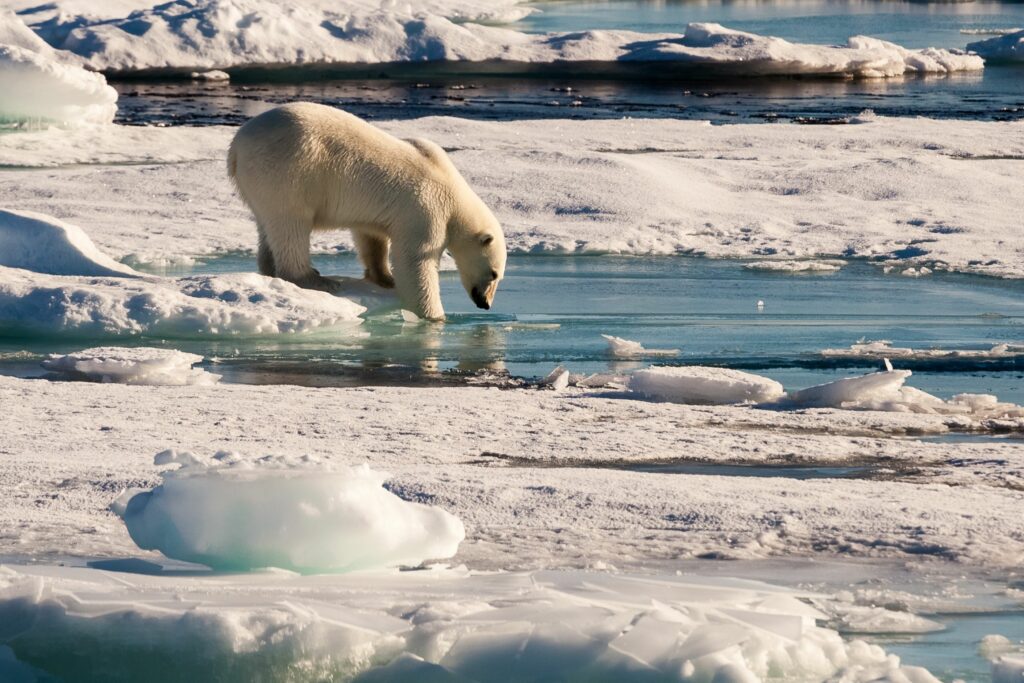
point(452, 624)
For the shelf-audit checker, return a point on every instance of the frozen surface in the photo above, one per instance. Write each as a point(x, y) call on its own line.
point(439, 624)
point(625, 348)
point(487, 456)
point(884, 349)
point(136, 365)
point(700, 384)
point(220, 34)
point(803, 266)
point(1008, 47)
point(914, 192)
point(44, 244)
point(40, 85)
point(294, 513)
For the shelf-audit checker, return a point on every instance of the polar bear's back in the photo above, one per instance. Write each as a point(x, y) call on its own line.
point(327, 164)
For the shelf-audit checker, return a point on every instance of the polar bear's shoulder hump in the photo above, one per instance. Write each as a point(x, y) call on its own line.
point(431, 151)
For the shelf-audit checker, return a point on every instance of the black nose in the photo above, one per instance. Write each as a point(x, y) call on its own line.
point(479, 299)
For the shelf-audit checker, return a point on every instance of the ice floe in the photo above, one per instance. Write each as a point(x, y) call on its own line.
point(221, 34)
point(139, 365)
point(1008, 47)
point(440, 624)
point(43, 86)
point(884, 349)
point(238, 513)
point(43, 244)
point(625, 348)
point(708, 385)
point(590, 186)
point(793, 266)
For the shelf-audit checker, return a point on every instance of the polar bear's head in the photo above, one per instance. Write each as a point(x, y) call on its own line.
point(477, 244)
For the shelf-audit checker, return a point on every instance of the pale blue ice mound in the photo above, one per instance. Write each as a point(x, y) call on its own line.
point(236, 513)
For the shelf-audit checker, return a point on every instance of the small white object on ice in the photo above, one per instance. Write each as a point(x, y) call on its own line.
point(240, 513)
point(760, 305)
point(624, 348)
point(213, 75)
point(557, 379)
point(137, 365)
point(707, 385)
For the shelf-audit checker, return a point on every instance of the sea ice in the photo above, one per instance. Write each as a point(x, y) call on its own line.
point(40, 85)
point(1008, 47)
point(292, 513)
point(699, 384)
point(884, 349)
point(225, 33)
point(445, 624)
point(43, 244)
point(624, 348)
point(791, 266)
point(135, 365)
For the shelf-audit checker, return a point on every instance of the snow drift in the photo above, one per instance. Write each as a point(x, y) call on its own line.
point(41, 85)
point(139, 365)
point(698, 384)
point(293, 513)
point(54, 279)
point(1003, 48)
point(221, 34)
point(436, 625)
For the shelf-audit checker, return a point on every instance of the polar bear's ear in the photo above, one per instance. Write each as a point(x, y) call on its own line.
point(486, 239)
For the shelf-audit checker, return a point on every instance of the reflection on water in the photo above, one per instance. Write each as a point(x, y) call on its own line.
point(552, 310)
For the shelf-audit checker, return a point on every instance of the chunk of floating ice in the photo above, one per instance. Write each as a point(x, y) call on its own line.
point(811, 266)
point(214, 75)
point(240, 513)
point(698, 384)
point(138, 365)
point(1002, 48)
point(436, 625)
point(557, 379)
point(849, 391)
point(624, 348)
point(43, 85)
point(882, 349)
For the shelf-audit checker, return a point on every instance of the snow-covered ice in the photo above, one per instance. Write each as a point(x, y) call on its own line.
point(706, 385)
point(913, 192)
point(220, 34)
point(625, 348)
point(43, 86)
point(1007, 47)
point(440, 624)
point(880, 349)
point(140, 365)
point(802, 266)
point(43, 244)
point(239, 513)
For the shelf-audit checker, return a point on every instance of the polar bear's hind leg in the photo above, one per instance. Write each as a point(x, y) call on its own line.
point(264, 256)
point(373, 252)
point(288, 242)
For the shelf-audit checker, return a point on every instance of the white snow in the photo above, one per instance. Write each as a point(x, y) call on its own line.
point(43, 244)
point(53, 279)
point(625, 348)
point(40, 85)
point(914, 192)
point(438, 625)
point(207, 305)
point(137, 365)
point(1008, 47)
point(294, 513)
point(220, 34)
point(1006, 656)
point(703, 385)
point(802, 266)
point(884, 349)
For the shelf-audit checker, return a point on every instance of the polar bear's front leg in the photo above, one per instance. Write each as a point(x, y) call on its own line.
point(373, 252)
point(417, 282)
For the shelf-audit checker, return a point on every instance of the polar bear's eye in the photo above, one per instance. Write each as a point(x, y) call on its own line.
point(486, 239)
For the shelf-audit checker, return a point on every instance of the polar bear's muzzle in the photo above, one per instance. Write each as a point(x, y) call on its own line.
point(480, 298)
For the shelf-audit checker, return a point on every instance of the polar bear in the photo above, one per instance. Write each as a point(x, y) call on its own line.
point(304, 167)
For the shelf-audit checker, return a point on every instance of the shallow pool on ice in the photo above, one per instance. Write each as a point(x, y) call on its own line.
point(299, 514)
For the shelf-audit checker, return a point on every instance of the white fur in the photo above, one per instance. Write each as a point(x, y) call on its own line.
point(305, 167)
